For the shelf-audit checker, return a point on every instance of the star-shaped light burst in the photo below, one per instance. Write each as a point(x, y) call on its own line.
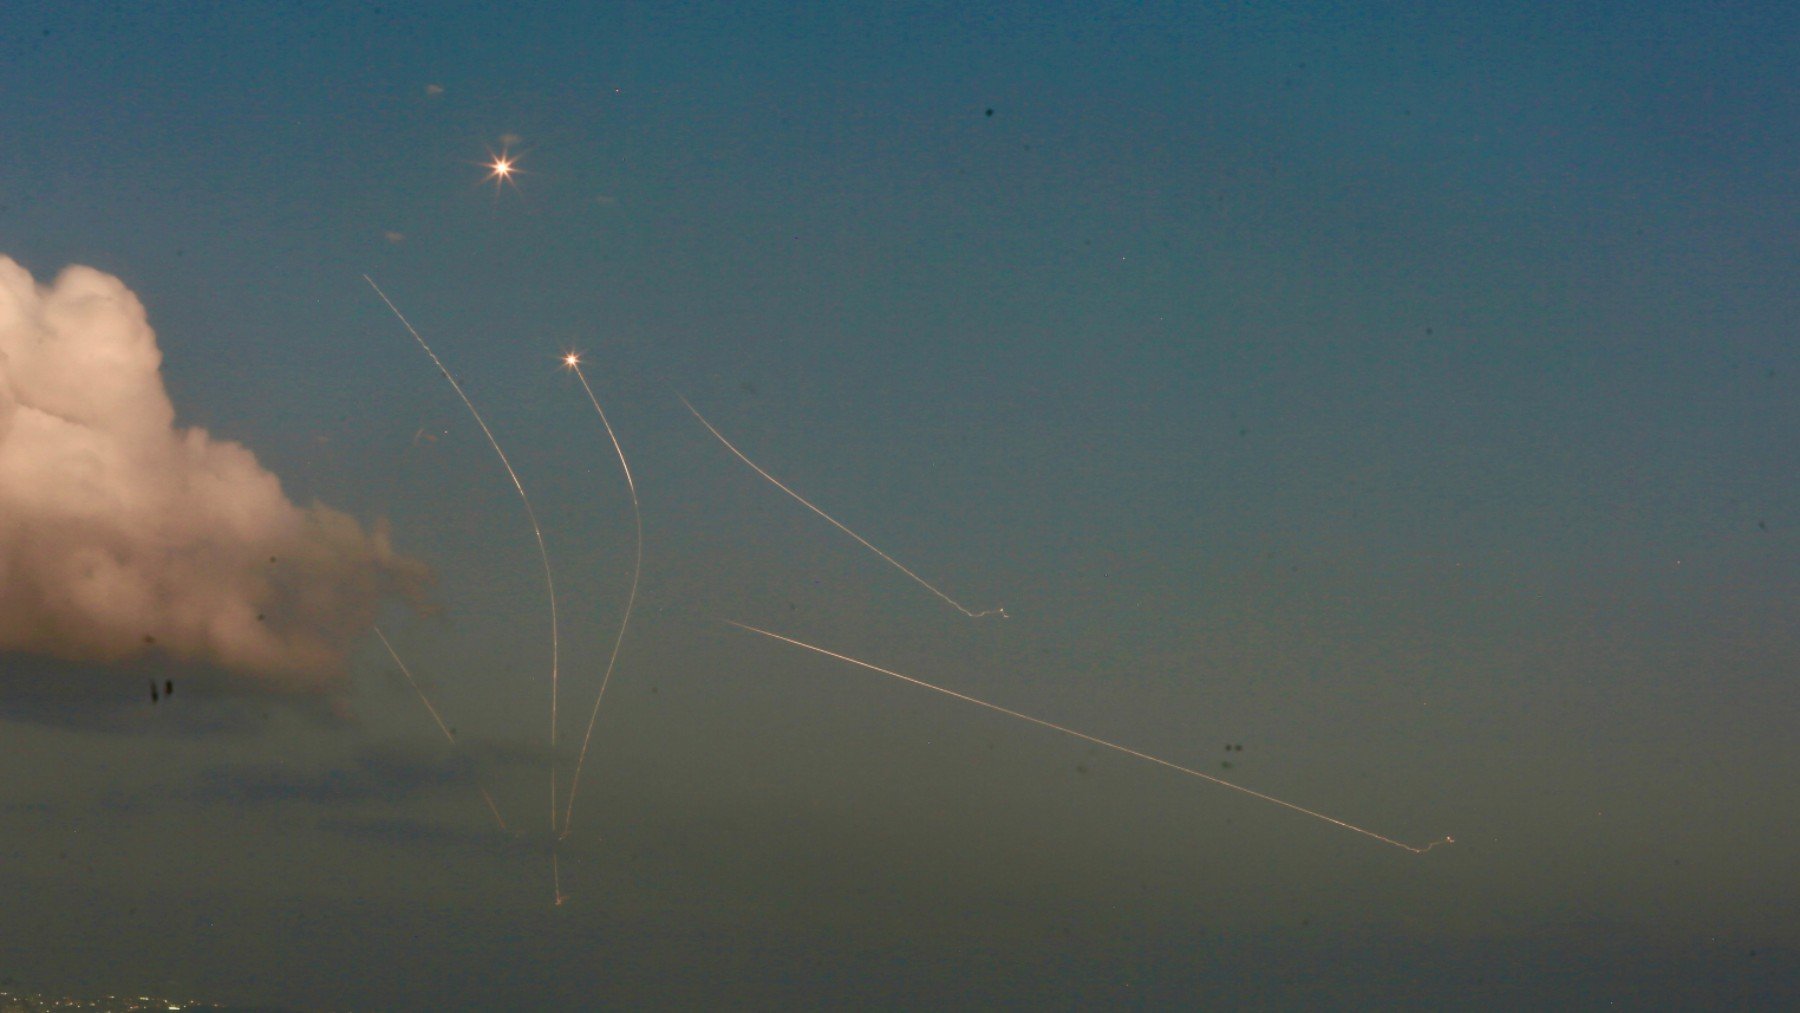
point(571, 360)
point(503, 166)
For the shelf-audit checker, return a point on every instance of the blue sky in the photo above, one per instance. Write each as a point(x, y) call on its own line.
point(1405, 392)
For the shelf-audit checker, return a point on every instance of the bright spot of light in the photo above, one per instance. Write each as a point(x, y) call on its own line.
point(502, 166)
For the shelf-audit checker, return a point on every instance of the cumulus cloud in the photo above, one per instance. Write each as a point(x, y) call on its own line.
point(124, 535)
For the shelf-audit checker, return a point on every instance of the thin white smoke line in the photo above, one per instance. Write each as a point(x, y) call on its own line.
point(637, 570)
point(803, 501)
point(449, 735)
point(1095, 740)
point(414, 683)
point(536, 530)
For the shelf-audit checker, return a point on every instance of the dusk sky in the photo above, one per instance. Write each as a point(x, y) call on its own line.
point(1387, 408)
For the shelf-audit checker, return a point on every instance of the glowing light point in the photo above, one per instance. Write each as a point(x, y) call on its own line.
point(571, 360)
point(502, 168)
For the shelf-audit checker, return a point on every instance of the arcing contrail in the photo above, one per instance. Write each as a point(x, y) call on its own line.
point(543, 554)
point(573, 361)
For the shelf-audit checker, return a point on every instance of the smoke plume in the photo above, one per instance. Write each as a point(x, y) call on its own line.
point(122, 534)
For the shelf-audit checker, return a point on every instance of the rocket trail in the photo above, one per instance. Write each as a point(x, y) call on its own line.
point(536, 530)
point(922, 582)
point(637, 569)
point(414, 683)
point(1098, 741)
point(435, 716)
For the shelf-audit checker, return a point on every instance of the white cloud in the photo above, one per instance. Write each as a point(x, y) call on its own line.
point(122, 534)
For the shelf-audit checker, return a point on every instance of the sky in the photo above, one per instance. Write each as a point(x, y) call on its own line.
point(1403, 393)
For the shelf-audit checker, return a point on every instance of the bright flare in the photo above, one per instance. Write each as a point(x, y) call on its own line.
point(501, 169)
